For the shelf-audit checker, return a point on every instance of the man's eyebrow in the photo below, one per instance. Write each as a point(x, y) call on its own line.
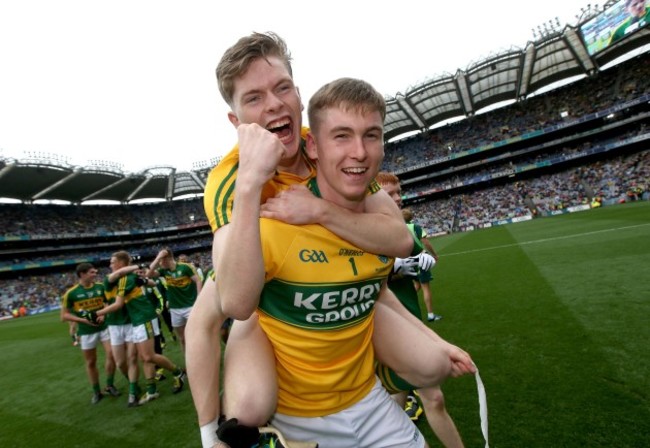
point(259, 90)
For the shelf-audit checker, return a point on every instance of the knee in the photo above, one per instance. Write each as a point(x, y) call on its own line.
point(433, 398)
point(250, 408)
point(148, 357)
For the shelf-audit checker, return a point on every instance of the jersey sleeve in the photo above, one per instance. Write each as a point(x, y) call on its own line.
point(220, 190)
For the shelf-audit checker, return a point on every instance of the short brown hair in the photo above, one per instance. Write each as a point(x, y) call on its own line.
point(82, 268)
point(347, 93)
point(236, 60)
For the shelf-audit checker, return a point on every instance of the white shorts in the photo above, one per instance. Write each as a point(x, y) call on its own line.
point(121, 334)
point(180, 316)
point(375, 421)
point(145, 331)
point(90, 341)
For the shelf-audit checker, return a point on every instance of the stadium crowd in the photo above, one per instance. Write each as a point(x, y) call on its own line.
point(480, 202)
point(615, 85)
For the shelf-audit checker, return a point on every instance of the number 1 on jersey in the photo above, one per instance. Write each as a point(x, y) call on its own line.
point(354, 266)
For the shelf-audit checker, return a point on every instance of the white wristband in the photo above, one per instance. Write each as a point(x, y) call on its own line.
point(209, 434)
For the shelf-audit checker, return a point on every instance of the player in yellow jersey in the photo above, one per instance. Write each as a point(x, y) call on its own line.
point(260, 90)
point(317, 304)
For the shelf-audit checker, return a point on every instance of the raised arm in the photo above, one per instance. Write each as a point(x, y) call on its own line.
point(379, 230)
point(237, 247)
point(153, 266)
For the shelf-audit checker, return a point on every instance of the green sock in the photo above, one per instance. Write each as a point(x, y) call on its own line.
point(110, 379)
point(96, 388)
point(133, 388)
point(151, 385)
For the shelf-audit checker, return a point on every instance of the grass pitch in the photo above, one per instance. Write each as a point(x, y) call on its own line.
point(555, 313)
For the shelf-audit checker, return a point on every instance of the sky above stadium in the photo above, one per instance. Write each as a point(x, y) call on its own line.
point(132, 81)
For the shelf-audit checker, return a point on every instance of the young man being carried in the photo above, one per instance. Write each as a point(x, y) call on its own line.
point(255, 79)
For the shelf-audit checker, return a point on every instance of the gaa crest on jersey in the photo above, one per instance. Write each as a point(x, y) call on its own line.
point(312, 256)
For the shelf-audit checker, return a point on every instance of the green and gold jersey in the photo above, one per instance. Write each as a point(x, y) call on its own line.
point(181, 289)
point(80, 298)
point(220, 187)
point(119, 317)
point(316, 309)
point(219, 196)
point(141, 310)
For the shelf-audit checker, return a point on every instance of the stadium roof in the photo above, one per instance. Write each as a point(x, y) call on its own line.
point(510, 75)
point(51, 179)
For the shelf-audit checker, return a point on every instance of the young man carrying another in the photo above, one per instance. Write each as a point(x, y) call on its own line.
point(255, 79)
point(317, 304)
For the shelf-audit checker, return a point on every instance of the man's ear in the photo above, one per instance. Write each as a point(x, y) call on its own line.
point(233, 119)
point(311, 147)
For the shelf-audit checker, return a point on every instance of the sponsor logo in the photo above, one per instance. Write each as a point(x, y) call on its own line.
point(335, 306)
point(351, 252)
point(312, 256)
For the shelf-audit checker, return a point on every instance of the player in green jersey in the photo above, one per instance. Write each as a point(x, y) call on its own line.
point(121, 330)
point(80, 303)
point(142, 312)
point(432, 398)
point(183, 286)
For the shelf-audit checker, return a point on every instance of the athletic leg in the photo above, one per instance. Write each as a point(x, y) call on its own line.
point(433, 402)
point(250, 382)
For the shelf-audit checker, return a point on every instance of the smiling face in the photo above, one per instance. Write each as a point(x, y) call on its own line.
point(348, 147)
point(265, 94)
point(88, 277)
point(636, 8)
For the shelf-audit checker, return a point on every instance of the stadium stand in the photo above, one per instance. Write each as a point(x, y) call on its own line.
point(545, 153)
